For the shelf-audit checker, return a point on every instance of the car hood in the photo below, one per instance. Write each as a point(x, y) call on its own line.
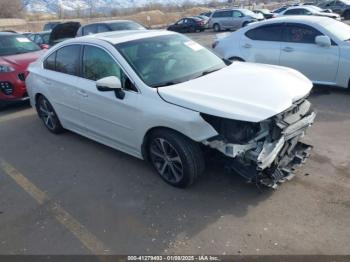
point(331, 15)
point(21, 61)
point(241, 91)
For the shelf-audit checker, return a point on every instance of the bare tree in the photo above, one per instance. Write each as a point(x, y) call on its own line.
point(10, 8)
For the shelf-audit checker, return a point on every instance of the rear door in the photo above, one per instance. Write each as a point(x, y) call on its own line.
point(262, 44)
point(237, 17)
point(299, 51)
point(61, 79)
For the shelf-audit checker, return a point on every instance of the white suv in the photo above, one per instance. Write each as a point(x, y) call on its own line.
point(161, 97)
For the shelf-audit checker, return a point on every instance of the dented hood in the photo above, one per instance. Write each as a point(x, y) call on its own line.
point(241, 91)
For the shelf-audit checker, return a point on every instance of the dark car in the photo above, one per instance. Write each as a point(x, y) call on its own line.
point(63, 31)
point(40, 38)
point(115, 25)
point(265, 12)
point(341, 7)
point(188, 25)
point(16, 53)
point(49, 26)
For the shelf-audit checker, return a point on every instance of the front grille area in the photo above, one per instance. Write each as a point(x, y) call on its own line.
point(6, 88)
point(22, 77)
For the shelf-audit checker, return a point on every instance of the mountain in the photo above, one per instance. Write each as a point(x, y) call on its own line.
point(53, 6)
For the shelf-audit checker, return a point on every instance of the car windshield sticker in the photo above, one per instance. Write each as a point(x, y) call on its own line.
point(22, 39)
point(193, 45)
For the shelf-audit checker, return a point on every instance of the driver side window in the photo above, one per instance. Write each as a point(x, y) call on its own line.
point(98, 64)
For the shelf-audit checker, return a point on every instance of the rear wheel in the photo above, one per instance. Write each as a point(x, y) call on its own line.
point(245, 24)
point(176, 158)
point(48, 115)
point(217, 28)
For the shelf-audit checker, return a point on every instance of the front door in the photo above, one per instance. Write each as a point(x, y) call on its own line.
point(299, 51)
point(107, 119)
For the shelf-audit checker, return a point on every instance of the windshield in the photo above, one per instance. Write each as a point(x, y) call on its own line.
point(170, 59)
point(339, 29)
point(125, 26)
point(16, 44)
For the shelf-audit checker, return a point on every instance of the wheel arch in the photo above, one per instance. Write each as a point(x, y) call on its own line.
point(237, 58)
point(146, 138)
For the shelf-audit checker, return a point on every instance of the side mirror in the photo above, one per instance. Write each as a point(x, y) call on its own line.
point(111, 83)
point(323, 41)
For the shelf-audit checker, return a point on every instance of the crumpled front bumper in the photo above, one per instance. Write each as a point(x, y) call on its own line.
point(276, 161)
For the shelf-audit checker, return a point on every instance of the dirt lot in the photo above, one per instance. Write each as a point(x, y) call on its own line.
point(68, 195)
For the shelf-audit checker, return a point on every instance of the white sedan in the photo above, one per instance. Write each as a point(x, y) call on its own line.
point(161, 97)
point(318, 47)
point(309, 10)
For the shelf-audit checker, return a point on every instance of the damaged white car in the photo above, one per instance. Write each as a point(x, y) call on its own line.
point(161, 97)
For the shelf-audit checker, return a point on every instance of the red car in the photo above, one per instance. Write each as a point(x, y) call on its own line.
point(16, 53)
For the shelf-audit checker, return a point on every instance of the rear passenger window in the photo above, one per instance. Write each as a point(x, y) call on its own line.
point(67, 60)
point(49, 63)
point(266, 33)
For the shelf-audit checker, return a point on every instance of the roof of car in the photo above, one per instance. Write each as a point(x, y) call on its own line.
point(300, 19)
point(300, 7)
point(116, 37)
point(110, 22)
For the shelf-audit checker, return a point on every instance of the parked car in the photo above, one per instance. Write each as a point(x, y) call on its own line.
point(205, 20)
point(63, 32)
point(281, 9)
point(106, 26)
point(40, 38)
point(265, 12)
point(318, 47)
point(342, 7)
point(49, 26)
point(309, 10)
point(189, 25)
point(161, 97)
point(232, 19)
point(16, 53)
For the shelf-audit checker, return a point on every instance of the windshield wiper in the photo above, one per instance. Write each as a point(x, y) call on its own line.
point(170, 83)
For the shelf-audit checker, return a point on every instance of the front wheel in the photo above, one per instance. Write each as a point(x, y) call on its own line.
point(217, 28)
point(176, 158)
point(48, 115)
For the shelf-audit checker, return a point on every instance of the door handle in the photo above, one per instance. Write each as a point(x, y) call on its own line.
point(82, 93)
point(247, 45)
point(288, 49)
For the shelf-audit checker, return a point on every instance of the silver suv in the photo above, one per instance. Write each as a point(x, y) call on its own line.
point(232, 19)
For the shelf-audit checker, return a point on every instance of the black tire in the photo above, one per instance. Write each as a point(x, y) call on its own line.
point(191, 30)
point(177, 159)
point(347, 15)
point(48, 115)
point(245, 24)
point(217, 27)
point(235, 59)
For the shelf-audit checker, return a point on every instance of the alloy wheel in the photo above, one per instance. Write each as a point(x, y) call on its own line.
point(47, 114)
point(166, 160)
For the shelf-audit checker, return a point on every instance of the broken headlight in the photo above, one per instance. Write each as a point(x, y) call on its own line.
point(233, 131)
